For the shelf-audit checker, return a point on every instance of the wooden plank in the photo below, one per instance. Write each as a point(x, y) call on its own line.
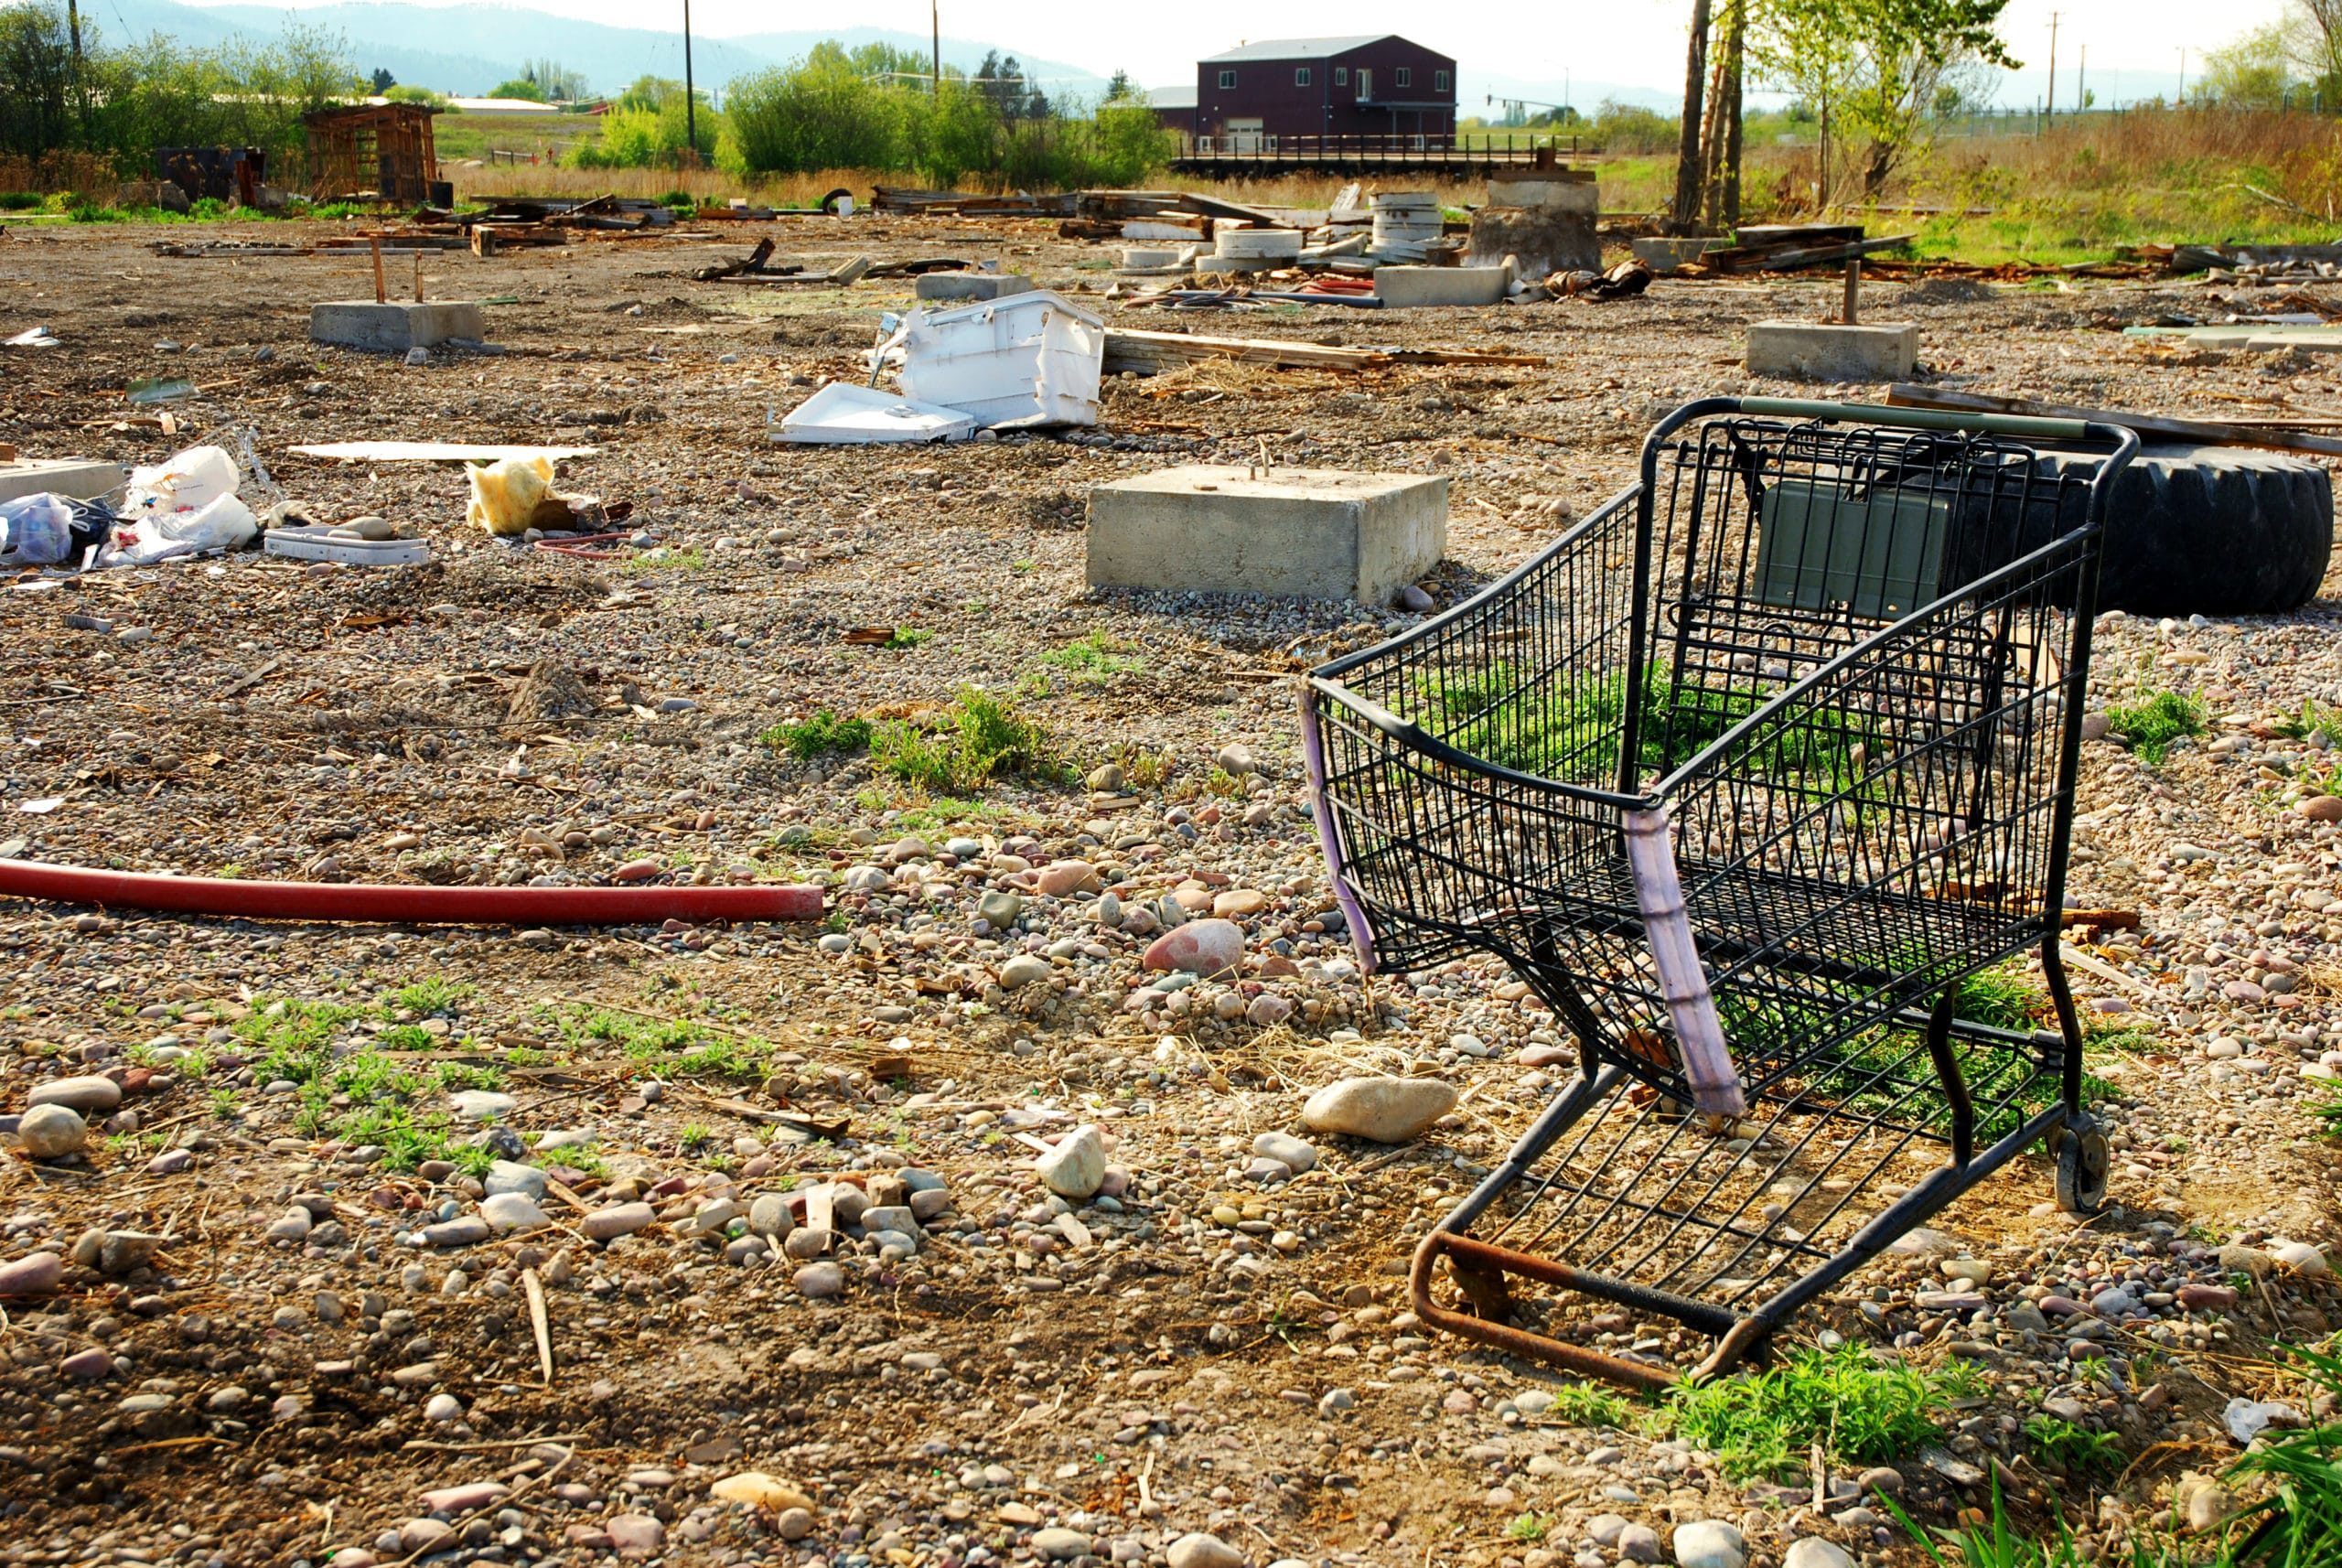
point(1127, 349)
point(2152, 427)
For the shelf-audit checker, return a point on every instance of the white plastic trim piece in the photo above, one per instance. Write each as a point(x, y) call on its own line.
point(1716, 1089)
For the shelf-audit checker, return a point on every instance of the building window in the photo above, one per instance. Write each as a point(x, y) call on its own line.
point(1227, 80)
point(1439, 80)
point(1403, 77)
point(1301, 76)
point(1341, 76)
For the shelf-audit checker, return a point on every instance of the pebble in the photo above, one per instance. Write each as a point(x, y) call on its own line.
point(511, 1175)
point(464, 1230)
point(2301, 1258)
point(1197, 1550)
point(1076, 1167)
point(1060, 1544)
point(819, 1281)
point(616, 1219)
point(1063, 878)
point(52, 1131)
point(293, 1226)
point(1286, 1149)
point(1639, 1543)
point(757, 1490)
point(1207, 948)
point(1023, 970)
point(636, 1534)
point(507, 1212)
point(1710, 1543)
point(1812, 1551)
point(769, 1216)
point(1384, 1109)
point(482, 1104)
point(31, 1275)
point(85, 1366)
point(82, 1094)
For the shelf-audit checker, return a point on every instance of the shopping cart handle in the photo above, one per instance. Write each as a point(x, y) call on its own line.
point(2022, 427)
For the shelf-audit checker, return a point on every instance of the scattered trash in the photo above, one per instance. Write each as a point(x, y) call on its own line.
point(32, 337)
point(1148, 353)
point(399, 902)
point(844, 414)
point(41, 807)
point(323, 544)
point(506, 495)
point(187, 506)
point(36, 531)
point(1628, 278)
point(437, 452)
point(1026, 360)
point(2248, 1419)
point(160, 389)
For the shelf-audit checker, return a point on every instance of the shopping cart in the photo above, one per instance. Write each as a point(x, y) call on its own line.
point(1743, 776)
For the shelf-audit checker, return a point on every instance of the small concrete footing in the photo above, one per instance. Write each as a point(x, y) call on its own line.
point(1408, 287)
point(76, 478)
point(1824, 351)
point(393, 327)
point(1307, 533)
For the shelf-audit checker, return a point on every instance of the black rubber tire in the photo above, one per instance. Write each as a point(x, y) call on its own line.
point(2210, 530)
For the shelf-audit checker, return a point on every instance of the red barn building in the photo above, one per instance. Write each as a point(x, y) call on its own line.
point(1379, 86)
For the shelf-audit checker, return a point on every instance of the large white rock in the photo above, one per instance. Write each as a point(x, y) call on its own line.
point(52, 1131)
point(1386, 1110)
point(1197, 1550)
point(1812, 1551)
point(1076, 1168)
point(1709, 1543)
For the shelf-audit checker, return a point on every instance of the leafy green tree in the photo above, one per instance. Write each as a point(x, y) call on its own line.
point(2253, 72)
point(520, 87)
point(1873, 65)
point(384, 82)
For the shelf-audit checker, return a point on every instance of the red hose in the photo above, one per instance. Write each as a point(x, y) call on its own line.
point(395, 903)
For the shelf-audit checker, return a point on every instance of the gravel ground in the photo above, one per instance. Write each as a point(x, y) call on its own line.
point(280, 1306)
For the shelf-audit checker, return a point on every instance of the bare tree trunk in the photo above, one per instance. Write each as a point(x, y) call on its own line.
point(1687, 160)
point(1712, 127)
point(1736, 45)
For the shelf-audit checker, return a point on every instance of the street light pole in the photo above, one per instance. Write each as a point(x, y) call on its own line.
point(935, 39)
point(690, 104)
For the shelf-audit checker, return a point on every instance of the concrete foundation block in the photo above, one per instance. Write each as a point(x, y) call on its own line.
point(78, 478)
point(1556, 195)
point(1823, 351)
point(1307, 532)
point(1664, 256)
point(969, 285)
point(397, 325)
point(1408, 287)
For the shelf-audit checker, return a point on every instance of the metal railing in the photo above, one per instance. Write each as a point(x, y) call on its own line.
point(1402, 147)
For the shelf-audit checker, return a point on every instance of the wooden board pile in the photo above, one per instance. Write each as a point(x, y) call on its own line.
point(1786, 247)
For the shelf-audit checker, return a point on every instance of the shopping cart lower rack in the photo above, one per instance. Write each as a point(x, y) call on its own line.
point(1744, 776)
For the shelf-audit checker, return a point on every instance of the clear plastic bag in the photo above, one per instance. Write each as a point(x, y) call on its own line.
point(190, 481)
point(36, 531)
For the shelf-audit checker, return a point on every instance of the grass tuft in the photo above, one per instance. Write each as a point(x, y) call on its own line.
point(2154, 723)
point(817, 734)
point(1862, 1412)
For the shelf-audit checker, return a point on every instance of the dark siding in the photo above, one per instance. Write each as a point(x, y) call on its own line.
point(1266, 91)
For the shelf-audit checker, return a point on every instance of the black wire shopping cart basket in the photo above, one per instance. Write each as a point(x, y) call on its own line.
point(1743, 777)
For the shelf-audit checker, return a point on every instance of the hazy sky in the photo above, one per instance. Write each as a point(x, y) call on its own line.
point(1631, 42)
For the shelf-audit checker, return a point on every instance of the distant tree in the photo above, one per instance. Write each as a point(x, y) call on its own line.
point(556, 83)
point(651, 92)
point(2313, 44)
point(384, 82)
point(1874, 67)
point(520, 87)
point(1120, 89)
point(402, 93)
point(2250, 73)
point(889, 61)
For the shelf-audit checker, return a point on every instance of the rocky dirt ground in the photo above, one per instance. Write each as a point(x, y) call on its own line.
point(386, 1244)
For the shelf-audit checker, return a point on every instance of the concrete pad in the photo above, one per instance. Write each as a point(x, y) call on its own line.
point(1663, 257)
point(1308, 532)
point(2308, 339)
point(971, 286)
point(77, 477)
point(1409, 287)
point(396, 326)
point(1826, 353)
point(1579, 195)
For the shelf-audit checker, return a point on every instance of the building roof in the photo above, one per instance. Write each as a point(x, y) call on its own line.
point(1293, 48)
point(1171, 97)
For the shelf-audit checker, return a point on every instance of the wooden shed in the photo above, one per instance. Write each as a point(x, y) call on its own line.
point(380, 147)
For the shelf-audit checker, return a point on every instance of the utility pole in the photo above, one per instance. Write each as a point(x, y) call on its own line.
point(691, 103)
point(2050, 113)
point(2182, 77)
point(2081, 82)
point(935, 39)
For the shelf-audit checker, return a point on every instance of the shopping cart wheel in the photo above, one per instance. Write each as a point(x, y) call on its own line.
point(2082, 1169)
